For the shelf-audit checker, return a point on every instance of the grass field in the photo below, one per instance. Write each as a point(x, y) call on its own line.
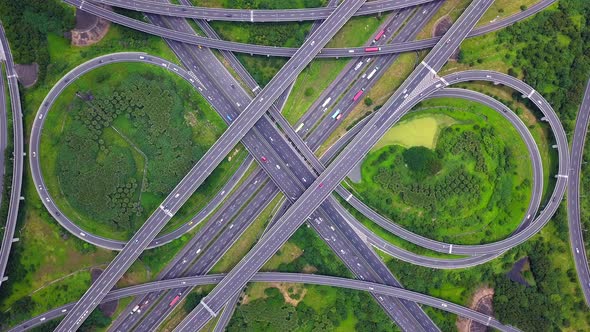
point(492, 222)
point(418, 131)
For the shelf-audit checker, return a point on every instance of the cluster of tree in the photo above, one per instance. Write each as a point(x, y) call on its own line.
point(432, 196)
point(538, 307)
point(27, 23)
point(273, 4)
point(97, 176)
point(273, 314)
point(6, 186)
point(192, 300)
point(556, 58)
point(422, 161)
point(268, 314)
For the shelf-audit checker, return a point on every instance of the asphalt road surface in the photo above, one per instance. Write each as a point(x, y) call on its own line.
point(312, 279)
point(190, 38)
point(207, 164)
point(18, 155)
point(573, 196)
point(330, 178)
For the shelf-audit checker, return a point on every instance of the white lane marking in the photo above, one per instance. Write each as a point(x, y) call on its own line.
point(208, 309)
point(561, 176)
point(349, 197)
point(429, 68)
point(531, 94)
point(166, 211)
point(251, 16)
point(451, 249)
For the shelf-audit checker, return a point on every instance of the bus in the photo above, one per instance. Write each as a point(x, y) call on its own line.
point(175, 300)
point(358, 65)
point(372, 73)
point(372, 49)
point(326, 101)
point(228, 118)
point(358, 95)
point(299, 128)
point(335, 114)
point(379, 35)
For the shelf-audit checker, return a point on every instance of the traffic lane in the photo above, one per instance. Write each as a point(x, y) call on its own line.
point(288, 52)
point(223, 84)
point(311, 199)
point(279, 277)
point(255, 15)
point(573, 198)
point(18, 155)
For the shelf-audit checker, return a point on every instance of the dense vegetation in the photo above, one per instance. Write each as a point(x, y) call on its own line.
point(125, 143)
point(27, 23)
point(553, 51)
point(467, 182)
point(273, 314)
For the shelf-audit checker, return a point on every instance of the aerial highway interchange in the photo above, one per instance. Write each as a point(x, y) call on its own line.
point(286, 162)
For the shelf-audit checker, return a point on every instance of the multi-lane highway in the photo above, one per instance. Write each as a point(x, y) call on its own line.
point(17, 156)
point(288, 52)
point(240, 126)
point(329, 179)
point(306, 195)
point(216, 74)
point(382, 290)
point(254, 15)
point(573, 196)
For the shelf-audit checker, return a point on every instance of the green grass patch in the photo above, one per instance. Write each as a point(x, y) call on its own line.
point(468, 189)
point(117, 135)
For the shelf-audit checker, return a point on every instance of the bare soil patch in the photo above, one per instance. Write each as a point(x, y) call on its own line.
point(27, 74)
point(89, 29)
point(482, 302)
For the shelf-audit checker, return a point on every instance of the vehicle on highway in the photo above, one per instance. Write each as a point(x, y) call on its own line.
point(321, 185)
point(358, 65)
point(175, 299)
point(263, 159)
point(326, 101)
point(372, 73)
point(357, 95)
point(372, 49)
point(135, 309)
point(379, 35)
point(339, 116)
point(229, 118)
point(299, 128)
point(335, 114)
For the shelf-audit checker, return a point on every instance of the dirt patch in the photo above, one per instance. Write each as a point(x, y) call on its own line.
point(309, 269)
point(440, 28)
point(292, 293)
point(482, 302)
point(89, 29)
point(27, 74)
point(107, 308)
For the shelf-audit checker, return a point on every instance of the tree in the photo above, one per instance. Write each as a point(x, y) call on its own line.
point(368, 101)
